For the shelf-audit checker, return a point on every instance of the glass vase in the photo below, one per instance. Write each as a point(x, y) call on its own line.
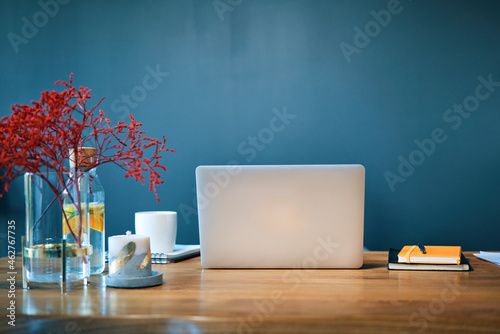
point(57, 219)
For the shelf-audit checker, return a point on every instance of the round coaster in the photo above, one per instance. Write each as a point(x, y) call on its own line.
point(156, 278)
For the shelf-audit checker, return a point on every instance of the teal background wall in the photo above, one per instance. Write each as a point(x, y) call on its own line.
point(409, 89)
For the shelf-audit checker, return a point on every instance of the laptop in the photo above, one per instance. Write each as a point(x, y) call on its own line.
point(281, 216)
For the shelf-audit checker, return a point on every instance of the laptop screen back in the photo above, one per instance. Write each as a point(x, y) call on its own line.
point(282, 216)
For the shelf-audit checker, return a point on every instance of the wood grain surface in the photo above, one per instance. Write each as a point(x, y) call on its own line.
point(193, 300)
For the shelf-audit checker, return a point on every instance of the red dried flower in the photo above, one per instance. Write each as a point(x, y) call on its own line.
point(39, 138)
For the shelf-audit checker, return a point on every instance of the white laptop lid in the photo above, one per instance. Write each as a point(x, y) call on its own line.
point(282, 216)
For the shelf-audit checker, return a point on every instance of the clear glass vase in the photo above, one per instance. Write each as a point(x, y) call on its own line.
point(57, 212)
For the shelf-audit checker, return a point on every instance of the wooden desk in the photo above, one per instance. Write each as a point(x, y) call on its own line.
point(192, 300)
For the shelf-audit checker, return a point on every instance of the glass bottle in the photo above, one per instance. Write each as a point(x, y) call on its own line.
point(96, 223)
point(96, 210)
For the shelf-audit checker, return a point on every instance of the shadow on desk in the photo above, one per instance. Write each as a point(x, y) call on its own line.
point(367, 266)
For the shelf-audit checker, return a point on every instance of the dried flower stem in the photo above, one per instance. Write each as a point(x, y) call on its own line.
point(38, 138)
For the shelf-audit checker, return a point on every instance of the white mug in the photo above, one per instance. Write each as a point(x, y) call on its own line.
point(160, 226)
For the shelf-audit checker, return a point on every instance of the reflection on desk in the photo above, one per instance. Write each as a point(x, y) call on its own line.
point(192, 300)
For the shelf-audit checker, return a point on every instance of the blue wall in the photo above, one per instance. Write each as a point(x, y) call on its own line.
point(358, 82)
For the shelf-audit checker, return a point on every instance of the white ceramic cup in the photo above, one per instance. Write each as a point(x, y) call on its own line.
point(160, 226)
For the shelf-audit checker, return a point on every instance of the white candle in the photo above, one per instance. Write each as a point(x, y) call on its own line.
point(116, 243)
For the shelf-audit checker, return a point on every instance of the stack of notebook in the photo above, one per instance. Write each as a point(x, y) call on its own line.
point(428, 258)
point(180, 252)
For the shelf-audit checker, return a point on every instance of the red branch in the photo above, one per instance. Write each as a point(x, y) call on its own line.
point(38, 138)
